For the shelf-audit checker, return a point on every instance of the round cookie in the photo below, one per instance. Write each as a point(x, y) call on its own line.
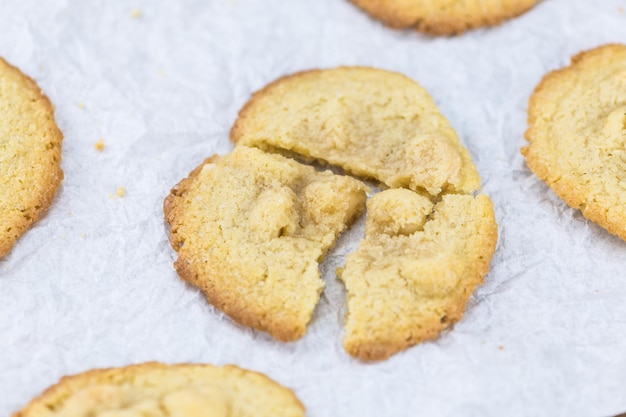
point(412, 275)
point(443, 17)
point(250, 229)
point(158, 390)
point(370, 122)
point(30, 154)
point(577, 135)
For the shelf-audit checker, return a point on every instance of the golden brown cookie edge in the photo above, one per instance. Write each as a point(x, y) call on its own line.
point(377, 352)
point(172, 210)
point(568, 191)
point(449, 26)
point(238, 313)
point(63, 387)
point(472, 181)
point(54, 176)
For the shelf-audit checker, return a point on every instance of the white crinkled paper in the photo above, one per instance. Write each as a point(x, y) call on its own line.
point(92, 284)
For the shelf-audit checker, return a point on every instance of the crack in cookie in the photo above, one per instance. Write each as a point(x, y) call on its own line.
point(371, 123)
point(250, 229)
point(429, 240)
point(412, 275)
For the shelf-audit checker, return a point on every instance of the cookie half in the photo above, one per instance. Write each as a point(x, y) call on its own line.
point(443, 17)
point(157, 390)
point(250, 229)
point(577, 135)
point(412, 275)
point(372, 123)
point(30, 154)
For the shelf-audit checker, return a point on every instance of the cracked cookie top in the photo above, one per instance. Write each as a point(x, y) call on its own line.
point(250, 229)
point(412, 275)
point(370, 122)
point(429, 240)
point(251, 226)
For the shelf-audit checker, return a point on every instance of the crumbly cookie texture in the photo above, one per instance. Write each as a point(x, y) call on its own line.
point(250, 229)
point(158, 390)
point(372, 123)
point(412, 275)
point(577, 135)
point(30, 155)
point(443, 17)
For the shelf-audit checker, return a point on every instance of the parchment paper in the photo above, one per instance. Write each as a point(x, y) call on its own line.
point(92, 284)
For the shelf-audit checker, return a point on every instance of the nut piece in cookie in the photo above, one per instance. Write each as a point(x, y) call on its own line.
point(443, 17)
point(30, 155)
point(372, 123)
point(577, 135)
point(412, 275)
point(250, 229)
point(158, 390)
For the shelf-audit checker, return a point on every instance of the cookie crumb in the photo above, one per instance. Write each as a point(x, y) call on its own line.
point(121, 192)
point(500, 347)
point(135, 13)
point(621, 10)
point(99, 145)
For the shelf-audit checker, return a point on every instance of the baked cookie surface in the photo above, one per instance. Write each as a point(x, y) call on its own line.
point(30, 155)
point(577, 135)
point(370, 122)
point(157, 390)
point(443, 17)
point(250, 229)
point(412, 275)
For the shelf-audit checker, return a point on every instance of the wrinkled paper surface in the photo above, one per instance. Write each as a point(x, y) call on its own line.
point(160, 82)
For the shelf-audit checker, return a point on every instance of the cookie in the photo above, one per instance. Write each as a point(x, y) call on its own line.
point(30, 155)
point(443, 17)
point(157, 390)
point(428, 241)
point(577, 135)
point(250, 229)
point(371, 123)
point(412, 275)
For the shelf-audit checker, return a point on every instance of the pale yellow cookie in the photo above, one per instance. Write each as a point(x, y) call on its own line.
point(372, 123)
point(444, 17)
point(157, 390)
point(577, 135)
point(412, 275)
point(30, 154)
point(250, 229)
